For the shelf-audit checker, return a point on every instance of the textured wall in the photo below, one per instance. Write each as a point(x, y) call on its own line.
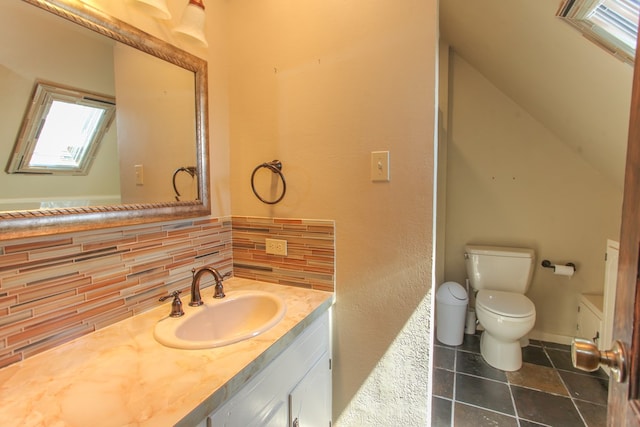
point(395, 394)
point(319, 85)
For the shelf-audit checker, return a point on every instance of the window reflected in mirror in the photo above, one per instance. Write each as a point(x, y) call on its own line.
point(159, 125)
point(61, 131)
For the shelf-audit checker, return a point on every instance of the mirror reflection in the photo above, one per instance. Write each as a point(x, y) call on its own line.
point(152, 137)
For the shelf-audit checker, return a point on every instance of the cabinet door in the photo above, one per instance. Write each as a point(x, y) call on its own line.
point(253, 414)
point(264, 400)
point(588, 324)
point(310, 400)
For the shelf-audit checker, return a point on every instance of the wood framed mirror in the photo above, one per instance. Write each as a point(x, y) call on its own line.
point(159, 131)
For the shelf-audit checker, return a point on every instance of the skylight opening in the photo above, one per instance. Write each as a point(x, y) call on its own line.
point(612, 24)
point(61, 131)
point(66, 135)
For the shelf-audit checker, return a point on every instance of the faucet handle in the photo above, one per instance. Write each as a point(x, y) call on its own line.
point(174, 294)
point(219, 288)
point(176, 304)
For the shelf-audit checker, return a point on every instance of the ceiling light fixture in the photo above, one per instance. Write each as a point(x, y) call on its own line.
point(192, 22)
point(155, 8)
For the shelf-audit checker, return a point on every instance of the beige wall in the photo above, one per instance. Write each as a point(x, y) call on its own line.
point(162, 94)
point(441, 163)
point(577, 89)
point(319, 85)
point(510, 181)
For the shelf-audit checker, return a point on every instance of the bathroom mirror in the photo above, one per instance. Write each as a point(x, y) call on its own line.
point(160, 127)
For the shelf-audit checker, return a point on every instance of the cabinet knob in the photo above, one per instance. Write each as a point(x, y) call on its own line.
point(296, 423)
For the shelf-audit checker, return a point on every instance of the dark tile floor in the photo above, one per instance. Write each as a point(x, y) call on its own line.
point(546, 391)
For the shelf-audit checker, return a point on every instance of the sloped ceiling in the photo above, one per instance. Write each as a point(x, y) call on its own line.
point(576, 89)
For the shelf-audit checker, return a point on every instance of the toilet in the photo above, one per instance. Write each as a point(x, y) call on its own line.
point(501, 276)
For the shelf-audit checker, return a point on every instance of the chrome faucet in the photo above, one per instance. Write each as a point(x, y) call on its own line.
point(196, 299)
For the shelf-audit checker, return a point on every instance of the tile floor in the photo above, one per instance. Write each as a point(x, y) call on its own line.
point(546, 391)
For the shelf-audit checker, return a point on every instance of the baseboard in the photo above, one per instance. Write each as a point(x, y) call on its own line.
point(546, 336)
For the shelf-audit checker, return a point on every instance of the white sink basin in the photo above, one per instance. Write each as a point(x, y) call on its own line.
point(239, 316)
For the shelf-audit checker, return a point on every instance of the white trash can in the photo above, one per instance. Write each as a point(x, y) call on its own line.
point(451, 313)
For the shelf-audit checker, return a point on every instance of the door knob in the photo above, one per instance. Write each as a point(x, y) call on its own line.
point(586, 356)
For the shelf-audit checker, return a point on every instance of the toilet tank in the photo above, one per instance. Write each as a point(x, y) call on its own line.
point(499, 268)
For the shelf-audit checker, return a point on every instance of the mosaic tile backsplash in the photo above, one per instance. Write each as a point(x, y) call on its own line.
point(310, 260)
point(54, 289)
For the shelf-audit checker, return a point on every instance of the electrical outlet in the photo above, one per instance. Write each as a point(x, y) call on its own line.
point(276, 247)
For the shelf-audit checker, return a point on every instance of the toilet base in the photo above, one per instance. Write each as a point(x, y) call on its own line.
point(506, 356)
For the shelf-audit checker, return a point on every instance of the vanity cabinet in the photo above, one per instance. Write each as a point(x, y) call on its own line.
point(293, 390)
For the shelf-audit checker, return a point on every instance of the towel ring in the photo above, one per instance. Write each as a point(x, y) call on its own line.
point(274, 166)
point(191, 170)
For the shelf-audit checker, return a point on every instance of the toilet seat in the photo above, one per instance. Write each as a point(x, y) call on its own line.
point(507, 304)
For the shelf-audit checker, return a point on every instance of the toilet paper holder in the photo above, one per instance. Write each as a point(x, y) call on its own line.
point(547, 264)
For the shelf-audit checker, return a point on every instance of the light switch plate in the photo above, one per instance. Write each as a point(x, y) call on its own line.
point(380, 166)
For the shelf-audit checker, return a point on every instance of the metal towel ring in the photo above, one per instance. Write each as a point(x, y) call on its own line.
point(274, 166)
point(191, 170)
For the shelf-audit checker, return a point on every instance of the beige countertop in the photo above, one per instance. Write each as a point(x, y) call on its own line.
point(121, 376)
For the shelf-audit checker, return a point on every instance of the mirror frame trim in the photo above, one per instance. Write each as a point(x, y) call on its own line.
point(18, 224)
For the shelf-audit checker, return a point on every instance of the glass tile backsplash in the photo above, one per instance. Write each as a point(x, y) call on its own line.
point(54, 289)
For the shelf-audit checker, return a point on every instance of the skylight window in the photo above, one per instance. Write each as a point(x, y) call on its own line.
point(61, 131)
point(612, 24)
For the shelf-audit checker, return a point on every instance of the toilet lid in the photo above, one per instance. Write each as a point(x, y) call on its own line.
point(506, 303)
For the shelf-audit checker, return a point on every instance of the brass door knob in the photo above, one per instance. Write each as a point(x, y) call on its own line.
point(586, 356)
